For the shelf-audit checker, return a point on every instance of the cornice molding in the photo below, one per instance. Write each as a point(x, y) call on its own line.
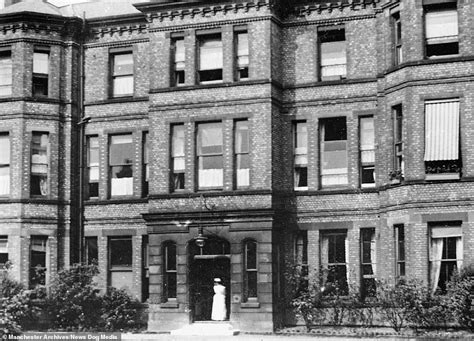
point(117, 43)
point(120, 30)
point(171, 13)
point(329, 7)
point(39, 41)
point(329, 21)
point(213, 24)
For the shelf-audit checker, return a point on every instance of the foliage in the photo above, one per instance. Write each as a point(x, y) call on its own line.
point(74, 301)
point(460, 291)
point(17, 306)
point(119, 311)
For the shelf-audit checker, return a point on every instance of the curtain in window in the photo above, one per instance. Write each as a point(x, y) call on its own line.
point(373, 253)
point(367, 140)
point(242, 49)
point(441, 131)
point(211, 56)
point(177, 151)
point(40, 62)
point(459, 253)
point(441, 24)
point(5, 75)
point(4, 164)
point(242, 153)
point(210, 155)
point(179, 55)
point(333, 58)
point(436, 254)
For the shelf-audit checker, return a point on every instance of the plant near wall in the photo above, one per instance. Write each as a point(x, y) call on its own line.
point(17, 306)
point(459, 295)
point(393, 300)
point(74, 302)
point(119, 311)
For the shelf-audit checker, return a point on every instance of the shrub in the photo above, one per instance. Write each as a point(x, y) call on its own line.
point(74, 302)
point(17, 306)
point(393, 300)
point(458, 298)
point(119, 311)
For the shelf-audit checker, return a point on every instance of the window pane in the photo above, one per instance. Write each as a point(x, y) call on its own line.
point(39, 164)
point(123, 64)
point(170, 251)
point(252, 284)
point(441, 24)
point(121, 149)
point(210, 138)
point(92, 253)
point(120, 252)
point(4, 149)
point(243, 44)
point(41, 62)
point(251, 255)
point(242, 136)
point(179, 53)
point(211, 57)
point(177, 133)
point(6, 74)
point(123, 85)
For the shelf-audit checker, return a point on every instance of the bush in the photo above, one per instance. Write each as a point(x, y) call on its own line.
point(74, 301)
point(459, 299)
point(17, 306)
point(119, 311)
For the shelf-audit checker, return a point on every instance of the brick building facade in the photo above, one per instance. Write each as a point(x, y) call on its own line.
point(330, 134)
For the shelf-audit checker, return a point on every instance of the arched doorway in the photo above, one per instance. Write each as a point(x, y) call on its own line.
point(211, 261)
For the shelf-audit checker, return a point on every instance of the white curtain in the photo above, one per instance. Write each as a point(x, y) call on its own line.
point(441, 24)
point(179, 56)
point(436, 254)
point(242, 49)
point(211, 178)
point(459, 253)
point(123, 85)
point(5, 182)
point(243, 177)
point(211, 56)
point(122, 186)
point(41, 62)
point(373, 253)
point(324, 254)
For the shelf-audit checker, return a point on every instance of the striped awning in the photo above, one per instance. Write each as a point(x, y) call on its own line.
point(442, 130)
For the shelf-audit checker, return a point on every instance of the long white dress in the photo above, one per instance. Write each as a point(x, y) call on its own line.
point(219, 311)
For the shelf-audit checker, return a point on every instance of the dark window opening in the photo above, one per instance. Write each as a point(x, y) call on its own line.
point(441, 31)
point(92, 251)
point(333, 163)
point(333, 262)
point(38, 252)
point(121, 252)
point(368, 262)
point(300, 141)
point(250, 284)
point(400, 250)
point(170, 271)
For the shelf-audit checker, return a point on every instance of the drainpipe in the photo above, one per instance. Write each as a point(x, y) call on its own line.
point(82, 128)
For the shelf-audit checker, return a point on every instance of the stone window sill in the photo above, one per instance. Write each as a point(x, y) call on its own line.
point(251, 305)
point(170, 305)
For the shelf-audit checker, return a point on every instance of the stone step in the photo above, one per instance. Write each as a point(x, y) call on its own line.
point(206, 328)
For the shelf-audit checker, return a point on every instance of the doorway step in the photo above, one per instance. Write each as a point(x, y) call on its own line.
point(207, 328)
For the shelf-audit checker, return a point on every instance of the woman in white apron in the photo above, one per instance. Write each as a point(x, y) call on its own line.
point(219, 310)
